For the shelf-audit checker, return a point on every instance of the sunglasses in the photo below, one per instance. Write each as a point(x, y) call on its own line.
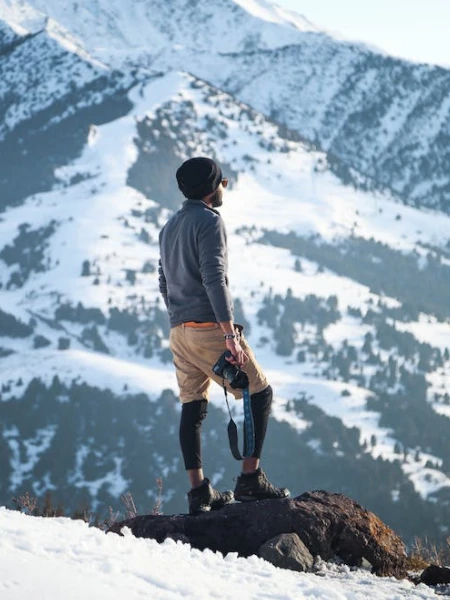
point(224, 182)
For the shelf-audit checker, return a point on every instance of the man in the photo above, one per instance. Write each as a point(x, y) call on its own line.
point(194, 284)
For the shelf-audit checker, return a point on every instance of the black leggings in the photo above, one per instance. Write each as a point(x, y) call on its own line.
point(193, 413)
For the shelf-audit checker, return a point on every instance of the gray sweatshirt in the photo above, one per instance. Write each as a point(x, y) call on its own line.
point(193, 265)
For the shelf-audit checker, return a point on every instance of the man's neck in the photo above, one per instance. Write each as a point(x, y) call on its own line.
point(207, 204)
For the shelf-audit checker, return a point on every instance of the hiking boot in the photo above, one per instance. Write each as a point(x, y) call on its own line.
point(256, 486)
point(205, 498)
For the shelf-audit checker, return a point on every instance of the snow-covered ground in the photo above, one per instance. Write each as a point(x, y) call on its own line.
point(54, 558)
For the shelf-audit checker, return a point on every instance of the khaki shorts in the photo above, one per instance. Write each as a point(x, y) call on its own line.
point(195, 352)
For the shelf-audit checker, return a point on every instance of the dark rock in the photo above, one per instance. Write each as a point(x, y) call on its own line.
point(287, 551)
point(435, 575)
point(330, 525)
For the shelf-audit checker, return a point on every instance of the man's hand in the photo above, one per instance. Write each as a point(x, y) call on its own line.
point(239, 357)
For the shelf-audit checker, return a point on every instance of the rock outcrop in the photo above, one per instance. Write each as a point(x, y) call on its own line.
point(329, 525)
point(436, 575)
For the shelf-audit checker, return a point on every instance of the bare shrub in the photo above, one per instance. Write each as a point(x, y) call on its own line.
point(425, 553)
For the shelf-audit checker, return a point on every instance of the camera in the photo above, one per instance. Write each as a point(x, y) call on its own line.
point(237, 379)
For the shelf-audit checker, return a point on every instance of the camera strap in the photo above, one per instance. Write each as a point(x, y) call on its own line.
point(249, 445)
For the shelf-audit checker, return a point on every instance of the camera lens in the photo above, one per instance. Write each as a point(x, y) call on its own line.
point(230, 372)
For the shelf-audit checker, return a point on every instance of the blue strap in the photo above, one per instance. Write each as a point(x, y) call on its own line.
point(249, 425)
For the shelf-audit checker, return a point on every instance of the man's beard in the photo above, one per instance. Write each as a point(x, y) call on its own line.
point(216, 198)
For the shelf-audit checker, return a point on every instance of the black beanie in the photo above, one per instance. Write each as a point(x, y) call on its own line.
point(198, 177)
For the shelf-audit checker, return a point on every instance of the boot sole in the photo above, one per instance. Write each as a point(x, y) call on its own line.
point(219, 506)
point(208, 508)
point(254, 499)
point(200, 511)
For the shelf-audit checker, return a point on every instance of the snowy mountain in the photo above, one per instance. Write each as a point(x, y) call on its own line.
point(344, 290)
point(384, 123)
point(119, 31)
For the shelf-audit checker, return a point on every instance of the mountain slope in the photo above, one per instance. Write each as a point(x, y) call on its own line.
point(47, 106)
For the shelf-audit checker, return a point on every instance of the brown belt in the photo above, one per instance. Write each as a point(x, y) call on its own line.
point(195, 324)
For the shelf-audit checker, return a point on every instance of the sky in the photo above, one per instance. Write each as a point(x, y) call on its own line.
point(418, 30)
point(54, 558)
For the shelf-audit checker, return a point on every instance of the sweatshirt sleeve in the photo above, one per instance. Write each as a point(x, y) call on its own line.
point(162, 283)
point(161, 277)
point(213, 260)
